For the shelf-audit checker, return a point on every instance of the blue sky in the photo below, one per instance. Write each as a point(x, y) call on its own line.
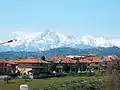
point(72, 17)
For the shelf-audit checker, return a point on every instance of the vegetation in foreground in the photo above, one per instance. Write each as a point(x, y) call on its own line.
point(73, 82)
point(42, 84)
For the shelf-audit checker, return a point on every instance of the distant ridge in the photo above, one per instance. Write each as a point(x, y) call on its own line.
point(60, 51)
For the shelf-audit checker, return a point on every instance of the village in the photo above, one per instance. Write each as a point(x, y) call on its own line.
point(35, 67)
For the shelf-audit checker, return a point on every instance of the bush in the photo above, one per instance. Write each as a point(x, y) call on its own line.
point(83, 74)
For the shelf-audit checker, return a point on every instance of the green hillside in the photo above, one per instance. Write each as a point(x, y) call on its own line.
point(61, 51)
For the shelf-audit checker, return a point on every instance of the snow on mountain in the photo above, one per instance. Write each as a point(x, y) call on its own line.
point(115, 42)
point(49, 39)
point(96, 41)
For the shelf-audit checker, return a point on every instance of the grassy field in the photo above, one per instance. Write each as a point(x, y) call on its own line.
point(39, 83)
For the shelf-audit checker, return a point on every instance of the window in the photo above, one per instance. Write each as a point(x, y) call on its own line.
point(105, 63)
point(41, 69)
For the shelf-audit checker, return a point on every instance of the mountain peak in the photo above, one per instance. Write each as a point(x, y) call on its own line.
point(49, 39)
point(87, 37)
point(49, 31)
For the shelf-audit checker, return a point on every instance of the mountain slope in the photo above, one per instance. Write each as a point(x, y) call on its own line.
point(60, 51)
point(49, 39)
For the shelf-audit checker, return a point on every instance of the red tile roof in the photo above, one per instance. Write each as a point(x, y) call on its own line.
point(92, 58)
point(25, 60)
point(29, 60)
point(85, 61)
point(97, 60)
point(110, 58)
point(107, 59)
point(63, 58)
point(7, 61)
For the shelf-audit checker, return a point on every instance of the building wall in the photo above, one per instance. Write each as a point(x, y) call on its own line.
point(34, 67)
point(25, 65)
point(97, 66)
point(24, 70)
point(5, 69)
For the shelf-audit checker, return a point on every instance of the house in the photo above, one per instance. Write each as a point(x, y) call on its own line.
point(84, 62)
point(7, 66)
point(75, 63)
point(91, 62)
point(32, 66)
point(97, 64)
point(107, 61)
point(62, 64)
point(110, 59)
point(84, 65)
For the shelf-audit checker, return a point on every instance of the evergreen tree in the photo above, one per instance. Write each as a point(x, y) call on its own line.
point(43, 58)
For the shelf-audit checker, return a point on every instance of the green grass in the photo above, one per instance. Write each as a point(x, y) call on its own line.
point(39, 83)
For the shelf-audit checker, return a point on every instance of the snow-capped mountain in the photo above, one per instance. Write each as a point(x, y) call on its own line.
point(97, 41)
point(50, 39)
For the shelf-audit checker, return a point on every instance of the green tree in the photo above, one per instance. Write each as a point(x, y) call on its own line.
point(43, 58)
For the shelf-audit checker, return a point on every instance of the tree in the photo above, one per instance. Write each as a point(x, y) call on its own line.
point(25, 77)
point(112, 81)
point(18, 73)
point(43, 58)
point(52, 67)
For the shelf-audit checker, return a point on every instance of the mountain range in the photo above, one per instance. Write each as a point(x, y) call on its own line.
point(50, 43)
point(64, 51)
point(49, 39)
